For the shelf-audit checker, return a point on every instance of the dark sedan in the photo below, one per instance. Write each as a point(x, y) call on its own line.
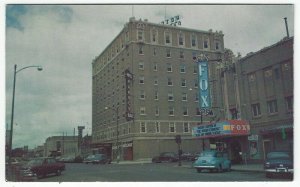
point(165, 157)
point(41, 167)
point(97, 159)
point(279, 163)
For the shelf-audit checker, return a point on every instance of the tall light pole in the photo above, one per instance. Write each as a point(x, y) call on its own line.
point(116, 110)
point(39, 68)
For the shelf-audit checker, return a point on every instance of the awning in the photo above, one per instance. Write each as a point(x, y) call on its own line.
point(222, 129)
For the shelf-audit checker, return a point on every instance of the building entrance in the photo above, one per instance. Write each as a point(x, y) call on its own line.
point(236, 152)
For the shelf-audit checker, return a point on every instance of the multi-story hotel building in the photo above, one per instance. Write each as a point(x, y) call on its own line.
point(145, 87)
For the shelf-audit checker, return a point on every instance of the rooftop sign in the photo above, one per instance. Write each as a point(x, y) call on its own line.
point(173, 21)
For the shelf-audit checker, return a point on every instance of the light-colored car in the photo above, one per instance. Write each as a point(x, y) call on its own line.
point(212, 160)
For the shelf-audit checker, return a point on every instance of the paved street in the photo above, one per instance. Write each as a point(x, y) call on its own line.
point(163, 172)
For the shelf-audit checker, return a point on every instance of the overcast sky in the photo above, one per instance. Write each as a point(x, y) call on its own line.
point(64, 39)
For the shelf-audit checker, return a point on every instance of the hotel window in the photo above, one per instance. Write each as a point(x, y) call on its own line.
point(251, 77)
point(171, 111)
point(155, 81)
point(193, 40)
point(272, 106)
point(168, 53)
point(141, 65)
point(142, 94)
point(156, 111)
point(183, 83)
point(184, 96)
point(195, 70)
point(141, 50)
point(155, 67)
point(154, 36)
point(142, 80)
point(168, 38)
point(170, 82)
point(156, 95)
point(140, 36)
point(142, 110)
point(172, 127)
point(217, 45)
point(186, 127)
point(157, 127)
point(143, 127)
point(181, 54)
point(185, 111)
point(195, 83)
point(170, 97)
point(182, 68)
point(181, 39)
point(206, 43)
point(256, 110)
point(289, 103)
point(169, 67)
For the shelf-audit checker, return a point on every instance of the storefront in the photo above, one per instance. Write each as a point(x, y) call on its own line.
point(126, 151)
point(230, 136)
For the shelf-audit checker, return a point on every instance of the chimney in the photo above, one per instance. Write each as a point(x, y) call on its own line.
point(286, 26)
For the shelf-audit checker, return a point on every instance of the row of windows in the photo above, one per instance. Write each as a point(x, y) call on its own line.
point(272, 107)
point(183, 82)
point(172, 127)
point(181, 39)
point(171, 111)
point(170, 96)
point(169, 67)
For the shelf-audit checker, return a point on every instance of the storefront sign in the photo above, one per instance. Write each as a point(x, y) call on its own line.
point(204, 85)
point(224, 128)
point(253, 137)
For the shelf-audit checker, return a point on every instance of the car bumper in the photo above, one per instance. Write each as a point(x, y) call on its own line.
point(205, 167)
point(279, 170)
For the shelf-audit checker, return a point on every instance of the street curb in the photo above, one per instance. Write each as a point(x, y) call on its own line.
point(248, 170)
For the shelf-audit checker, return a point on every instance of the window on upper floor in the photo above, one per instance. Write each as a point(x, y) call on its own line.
point(183, 82)
point(169, 67)
point(217, 45)
point(157, 127)
point(143, 127)
point(140, 35)
point(156, 111)
point(168, 38)
point(289, 103)
point(156, 95)
point(182, 68)
point(168, 53)
point(206, 43)
point(181, 39)
point(170, 97)
point(141, 80)
point(154, 36)
point(142, 94)
point(185, 111)
point(170, 82)
point(141, 65)
point(142, 111)
point(171, 111)
point(181, 54)
point(256, 110)
point(141, 50)
point(186, 127)
point(172, 127)
point(193, 40)
point(184, 96)
point(272, 106)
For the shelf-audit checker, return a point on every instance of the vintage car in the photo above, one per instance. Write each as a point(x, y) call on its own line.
point(97, 159)
point(165, 157)
point(41, 167)
point(212, 160)
point(279, 163)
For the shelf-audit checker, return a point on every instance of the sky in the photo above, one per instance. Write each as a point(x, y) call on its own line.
point(64, 39)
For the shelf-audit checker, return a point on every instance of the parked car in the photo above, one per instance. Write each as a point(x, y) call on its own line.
point(97, 159)
point(165, 157)
point(41, 167)
point(187, 156)
point(212, 160)
point(279, 163)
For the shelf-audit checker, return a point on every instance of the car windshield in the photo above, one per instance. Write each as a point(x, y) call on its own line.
point(35, 162)
point(275, 155)
point(207, 154)
point(90, 156)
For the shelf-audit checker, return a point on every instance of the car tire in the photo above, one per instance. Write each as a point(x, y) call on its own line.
point(199, 170)
point(220, 169)
point(58, 172)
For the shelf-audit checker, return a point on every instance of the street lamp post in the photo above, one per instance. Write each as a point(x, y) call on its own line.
point(39, 68)
point(116, 110)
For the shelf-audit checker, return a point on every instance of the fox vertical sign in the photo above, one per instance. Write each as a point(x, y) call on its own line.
point(204, 94)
